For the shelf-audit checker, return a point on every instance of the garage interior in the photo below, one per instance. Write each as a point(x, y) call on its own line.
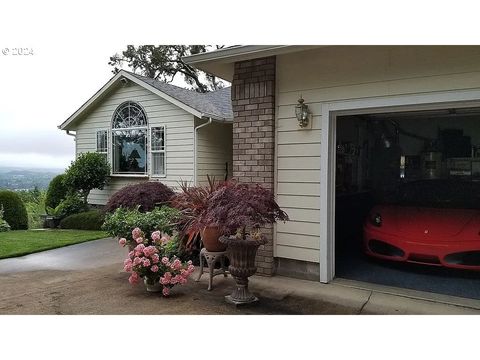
point(376, 153)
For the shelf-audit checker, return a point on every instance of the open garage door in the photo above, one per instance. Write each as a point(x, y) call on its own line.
point(407, 199)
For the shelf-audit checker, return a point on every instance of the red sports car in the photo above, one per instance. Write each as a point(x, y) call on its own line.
point(433, 222)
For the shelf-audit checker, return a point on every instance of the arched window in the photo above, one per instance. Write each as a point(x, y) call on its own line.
point(129, 139)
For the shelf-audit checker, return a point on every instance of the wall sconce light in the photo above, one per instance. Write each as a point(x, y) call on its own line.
point(301, 111)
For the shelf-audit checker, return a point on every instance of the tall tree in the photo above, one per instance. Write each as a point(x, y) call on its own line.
point(164, 62)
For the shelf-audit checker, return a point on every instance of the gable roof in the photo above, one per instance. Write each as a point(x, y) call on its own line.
point(215, 105)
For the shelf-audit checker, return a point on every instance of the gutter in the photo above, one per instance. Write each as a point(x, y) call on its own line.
point(231, 52)
point(210, 120)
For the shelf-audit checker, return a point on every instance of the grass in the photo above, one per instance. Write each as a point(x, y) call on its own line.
point(23, 242)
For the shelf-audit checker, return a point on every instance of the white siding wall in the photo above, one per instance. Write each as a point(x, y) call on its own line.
point(179, 136)
point(214, 149)
point(342, 73)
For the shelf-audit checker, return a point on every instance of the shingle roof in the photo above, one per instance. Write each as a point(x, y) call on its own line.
point(217, 103)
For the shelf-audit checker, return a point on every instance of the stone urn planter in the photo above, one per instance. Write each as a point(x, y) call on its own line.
point(241, 254)
point(210, 236)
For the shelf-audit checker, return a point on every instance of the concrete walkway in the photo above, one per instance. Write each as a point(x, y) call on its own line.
point(88, 278)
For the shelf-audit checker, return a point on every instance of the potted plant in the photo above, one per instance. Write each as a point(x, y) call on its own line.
point(154, 260)
point(193, 202)
point(240, 210)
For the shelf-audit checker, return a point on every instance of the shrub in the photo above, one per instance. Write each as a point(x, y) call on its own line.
point(89, 220)
point(89, 171)
point(144, 196)
point(122, 222)
point(72, 204)
point(56, 192)
point(238, 207)
point(15, 213)
point(3, 224)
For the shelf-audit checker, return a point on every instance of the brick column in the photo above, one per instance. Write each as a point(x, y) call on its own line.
point(253, 102)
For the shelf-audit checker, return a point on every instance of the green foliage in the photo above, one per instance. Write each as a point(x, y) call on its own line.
point(34, 201)
point(15, 213)
point(89, 220)
point(72, 204)
point(163, 62)
point(121, 222)
point(3, 224)
point(57, 191)
point(89, 171)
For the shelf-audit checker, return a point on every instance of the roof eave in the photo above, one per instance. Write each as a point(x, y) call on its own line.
point(221, 62)
point(127, 75)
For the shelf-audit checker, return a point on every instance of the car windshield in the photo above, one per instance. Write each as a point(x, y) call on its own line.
point(439, 194)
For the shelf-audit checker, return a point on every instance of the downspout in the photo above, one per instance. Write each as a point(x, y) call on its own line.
point(195, 149)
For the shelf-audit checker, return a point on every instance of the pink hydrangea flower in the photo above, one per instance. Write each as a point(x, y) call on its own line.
point(191, 268)
point(139, 247)
point(131, 254)
point(146, 262)
point(164, 281)
point(122, 241)
point(164, 260)
point(154, 268)
point(155, 258)
point(133, 279)
point(156, 235)
point(189, 262)
point(166, 291)
point(176, 265)
point(127, 261)
point(167, 275)
point(137, 261)
point(128, 268)
point(139, 240)
point(136, 233)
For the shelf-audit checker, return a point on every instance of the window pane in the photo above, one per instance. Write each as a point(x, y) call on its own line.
point(129, 114)
point(158, 163)
point(102, 141)
point(158, 139)
point(129, 151)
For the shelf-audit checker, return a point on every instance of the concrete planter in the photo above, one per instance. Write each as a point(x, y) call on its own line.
point(241, 254)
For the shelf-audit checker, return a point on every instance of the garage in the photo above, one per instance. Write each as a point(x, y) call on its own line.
point(407, 199)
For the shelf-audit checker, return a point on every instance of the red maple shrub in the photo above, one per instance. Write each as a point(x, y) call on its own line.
point(237, 207)
point(145, 195)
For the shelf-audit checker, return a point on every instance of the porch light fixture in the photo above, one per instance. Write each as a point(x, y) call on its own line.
point(301, 111)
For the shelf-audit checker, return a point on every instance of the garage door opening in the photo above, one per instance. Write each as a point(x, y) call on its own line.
point(407, 200)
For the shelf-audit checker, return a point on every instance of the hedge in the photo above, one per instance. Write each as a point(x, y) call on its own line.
point(15, 213)
point(89, 220)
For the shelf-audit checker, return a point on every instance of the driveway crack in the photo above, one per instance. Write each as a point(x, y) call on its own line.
point(365, 304)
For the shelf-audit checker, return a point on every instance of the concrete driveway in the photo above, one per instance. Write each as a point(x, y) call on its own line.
point(88, 278)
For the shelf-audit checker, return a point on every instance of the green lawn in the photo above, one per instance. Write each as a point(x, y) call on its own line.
point(23, 242)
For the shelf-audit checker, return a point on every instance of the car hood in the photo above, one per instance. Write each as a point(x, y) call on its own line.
point(427, 222)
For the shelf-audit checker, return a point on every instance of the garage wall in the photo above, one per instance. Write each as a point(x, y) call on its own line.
point(342, 73)
point(179, 136)
point(214, 149)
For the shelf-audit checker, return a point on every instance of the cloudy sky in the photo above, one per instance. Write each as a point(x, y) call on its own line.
point(38, 93)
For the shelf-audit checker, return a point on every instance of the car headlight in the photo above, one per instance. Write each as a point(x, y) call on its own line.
point(377, 220)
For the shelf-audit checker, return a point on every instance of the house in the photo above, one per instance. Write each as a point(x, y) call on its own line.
point(376, 115)
point(151, 130)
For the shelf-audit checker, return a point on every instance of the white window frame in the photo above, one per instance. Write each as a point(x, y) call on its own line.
point(164, 151)
point(107, 143)
point(111, 137)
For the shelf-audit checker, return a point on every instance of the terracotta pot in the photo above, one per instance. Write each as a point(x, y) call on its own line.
point(210, 241)
point(241, 254)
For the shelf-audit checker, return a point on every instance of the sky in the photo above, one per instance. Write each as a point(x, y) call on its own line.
point(38, 93)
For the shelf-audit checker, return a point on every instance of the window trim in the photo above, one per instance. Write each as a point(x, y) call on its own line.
point(111, 132)
point(164, 151)
point(107, 144)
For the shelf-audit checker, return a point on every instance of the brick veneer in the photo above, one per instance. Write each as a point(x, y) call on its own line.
point(253, 102)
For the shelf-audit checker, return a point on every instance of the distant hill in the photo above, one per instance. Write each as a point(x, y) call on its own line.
point(14, 178)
